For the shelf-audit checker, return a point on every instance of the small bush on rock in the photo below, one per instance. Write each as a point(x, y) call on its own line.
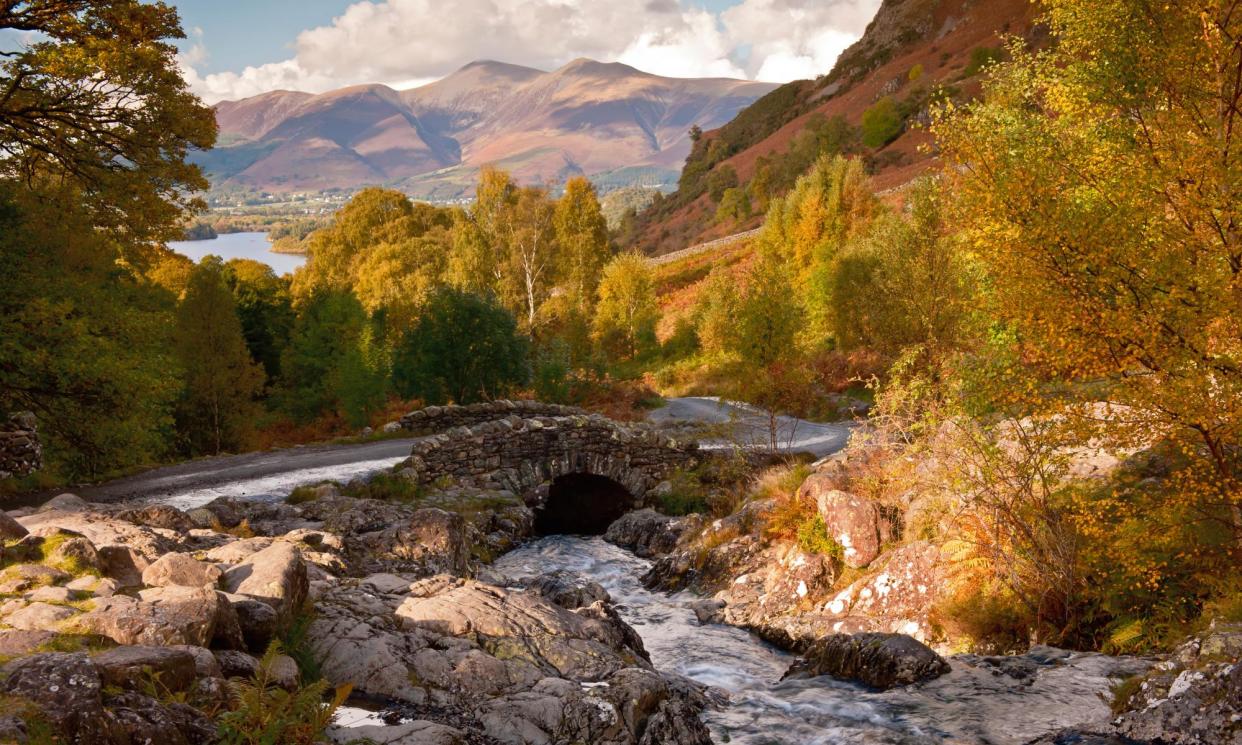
point(813, 538)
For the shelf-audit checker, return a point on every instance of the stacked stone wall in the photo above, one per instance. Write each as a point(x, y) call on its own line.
point(20, 451)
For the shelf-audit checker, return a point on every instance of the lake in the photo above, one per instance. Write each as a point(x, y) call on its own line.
point(240, 246)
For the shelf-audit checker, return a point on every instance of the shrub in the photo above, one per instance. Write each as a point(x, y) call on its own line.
point(881, 123)
point(982, 57)
point(302, 495)
point(719, 181)
point(813, 538)
point(387, 487)
point(263, 713)
point(687, 496)
point(985, 618)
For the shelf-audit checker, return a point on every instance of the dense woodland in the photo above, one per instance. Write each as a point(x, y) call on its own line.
point(1072, 276)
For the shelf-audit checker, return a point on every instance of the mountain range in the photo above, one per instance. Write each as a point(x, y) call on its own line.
point(608, 121)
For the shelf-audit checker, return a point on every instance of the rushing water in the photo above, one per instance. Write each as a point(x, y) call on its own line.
point(240, 246)
point(975, 703)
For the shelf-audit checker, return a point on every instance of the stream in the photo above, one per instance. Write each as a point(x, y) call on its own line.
point(976, 703)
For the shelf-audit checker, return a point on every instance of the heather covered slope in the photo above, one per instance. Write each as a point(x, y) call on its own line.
point(913, 53)
point(586, 118)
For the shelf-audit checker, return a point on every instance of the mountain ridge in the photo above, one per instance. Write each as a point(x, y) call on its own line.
point(586, 117)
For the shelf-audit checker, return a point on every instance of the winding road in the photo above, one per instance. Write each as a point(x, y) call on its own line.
point(273, 474)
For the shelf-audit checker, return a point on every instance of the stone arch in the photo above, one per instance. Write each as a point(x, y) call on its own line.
point(582, 504)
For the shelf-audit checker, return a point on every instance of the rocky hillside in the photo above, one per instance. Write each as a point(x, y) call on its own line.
point(913, 53)
point(608, 121)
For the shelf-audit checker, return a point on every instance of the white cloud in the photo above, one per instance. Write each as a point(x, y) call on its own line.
point(407, 42)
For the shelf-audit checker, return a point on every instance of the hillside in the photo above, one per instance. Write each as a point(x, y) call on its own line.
point(608, 121)
point(913, 52)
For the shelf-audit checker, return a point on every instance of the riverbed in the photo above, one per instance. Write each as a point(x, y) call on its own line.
point(240, 246)
point(976, 703)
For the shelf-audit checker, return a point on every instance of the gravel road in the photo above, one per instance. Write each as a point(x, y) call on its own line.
point(274, 473)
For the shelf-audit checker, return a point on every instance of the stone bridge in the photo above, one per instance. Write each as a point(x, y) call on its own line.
point(579, 472)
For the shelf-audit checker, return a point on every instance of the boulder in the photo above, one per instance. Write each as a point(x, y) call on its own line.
point(73, 553)
point(67, 691)
point(257, 621)
point(52, 594)
point(646, 532)
point(137, 668)
point(205, 665)
point(227, 633)
point(1199, 703)
point(10, 529)
point(498, 666)
point(17, 643)
point(122, 564)
point(276, 575)
point(142, 719)
point(65, 503)
point(567, 590)
point(161, 616)
point(431, 541)
point(236, 552)
point(283, 670)
point(158, 516)
point(854, 522)
point(234, 664)
point(517, 625)
point(39, 616)
point(24, 577)
point(896, 595)
point(105, 530)
point(387, 584)
point(881, 661)
point(180, 569)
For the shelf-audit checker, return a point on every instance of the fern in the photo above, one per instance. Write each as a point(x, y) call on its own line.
point(1126, 635)
point(263, 713)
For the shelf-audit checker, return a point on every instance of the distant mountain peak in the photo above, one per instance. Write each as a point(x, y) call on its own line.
point(588, 66)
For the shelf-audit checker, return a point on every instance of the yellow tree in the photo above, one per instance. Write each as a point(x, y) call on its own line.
point(1100, 184)
point(583, 237)
point(477, 260)
point(533, 252)
point(627, 310)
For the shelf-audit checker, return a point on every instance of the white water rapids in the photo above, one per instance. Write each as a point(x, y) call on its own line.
point(974, 704)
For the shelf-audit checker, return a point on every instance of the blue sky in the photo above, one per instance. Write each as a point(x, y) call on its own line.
point(242, 47)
